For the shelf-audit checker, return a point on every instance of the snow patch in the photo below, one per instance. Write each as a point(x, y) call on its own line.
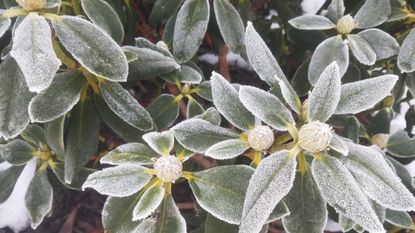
point(233, 59)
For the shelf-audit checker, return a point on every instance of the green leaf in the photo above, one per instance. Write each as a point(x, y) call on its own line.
point(170, 220)
point(338, 144)
point(122, 103)
point(362, 50)
point(33, 51)
point(401, 145)
point(193, 108)
point(211, 115)
point(198, 135)
point(34, 134)
point(399, 218)
point(225, 99)
point(92, 48)
point(130, 153)
point(214, 225)
point(162, 142)
point(119, 181)
point(149, 202)
point(308, 212)
point(362, 95)
point(340, 190)
point(271, 181)
point(104, 16)
point(266, 107)
point(227, 149)
point(58, 99)
point(39, 198)
point(377, 179)
point(164, 110)
point(230, 25)
point(55, 135)
point(189, 29)
point(14, 99)
point(331, 49)
point(17, 152)
point(205, 91)
point(163, 10)
point(373, 13)
point(8, 179)
point(325, 96)
point(383, 44)
point(81, 139)
point(405, 62)
point(312, 22)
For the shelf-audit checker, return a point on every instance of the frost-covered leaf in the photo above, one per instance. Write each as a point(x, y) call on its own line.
point(338, 144)
point(39, 198)
point(308, 212)
point(325, 96)
point(149, 202)
point(401, 145)
point(290, 96)
point(266, 107)
point(4, 25)
point(162, 142)
point(362, 50)
point(399, 218)
point(58, 99)
point(312, 22)
point(221, 190)
point(33, 51)
point(164, 110)
point(377, 179)
point(170, 219)
point(130, 153)
point(211, 115)
point(35, 135)
point(405, 62)
point(227, 149)
point(189, 29)
point(8, 179)
point(271, 181)
point(214, 225)
point(119, 181)
point(92, 48)
point(340, 190)
point(78, 180)
point(346, 223)
point(125, 106)
point(362, 95)
point(104, 16)
point(198, 135)
point(335, 10)
point(373, 13)
point(14, 99)
point(17, 152)
point(230, 25)
point(331, 49)
point(381, 42)
point(187, 74)
point(54, 131)
point(163, 10)
point(193, 108)
point(225, 98)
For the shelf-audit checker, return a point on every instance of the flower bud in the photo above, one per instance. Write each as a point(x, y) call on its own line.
point(314, 136)
point(380, 140)
point(261, 138)
point(163, 45)
point(32, 5)
point(168, 168)
point(345, 25)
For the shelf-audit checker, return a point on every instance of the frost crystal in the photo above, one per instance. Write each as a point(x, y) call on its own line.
point(345, 25)
point(261, 138)
point(314, 136)
point(168, 168)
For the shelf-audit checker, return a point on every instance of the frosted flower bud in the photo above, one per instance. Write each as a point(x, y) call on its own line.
point(261, 138)
point(380, 139)
point(32, 5)
point(345, 25)
point(168, 168)
point(314, 136)
point(163, 45)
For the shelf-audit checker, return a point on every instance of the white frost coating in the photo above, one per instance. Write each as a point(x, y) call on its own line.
point(168, 168)
point(33, 51)
point(13, 212)
point(266, 107)
point(130, 153)
point(362, 95)
point(311, 6)
point(92, 48)
point(338, 144)
point(149, 202)
point(4, 25)
point(162, 142)
point(120, 181)
point(271, 181)
point(362, 50)
point(225, 99)
point(335, 10)
point(340, 190)
point(174, 220)
point(373, 13)
point(311, 22)
point(377, 179)
point(381, 42)
point(261, 138)
point(331, 49)
point(325, 96)
point(314, 137)
point(227, 149)
point(405, 57)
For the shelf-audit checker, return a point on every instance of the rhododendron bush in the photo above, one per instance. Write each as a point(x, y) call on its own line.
point(139, 102)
